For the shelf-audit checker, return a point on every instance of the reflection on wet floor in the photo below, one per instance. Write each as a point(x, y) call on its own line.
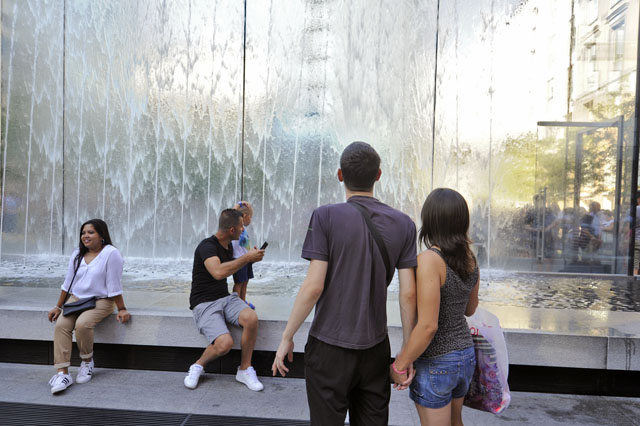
point(501, 288)
point(560, 291)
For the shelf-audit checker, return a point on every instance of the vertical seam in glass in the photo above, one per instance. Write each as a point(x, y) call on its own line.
point(184, 135)
point(2, 165)
point(244, 84)
point(64, 7)
point(6, 127)
point(492, 29)
point(457, 67)
point(634, 160)
point(572, 33)
point(265, 137)
point(618, 191)
point(435, 95)
point(36, 50)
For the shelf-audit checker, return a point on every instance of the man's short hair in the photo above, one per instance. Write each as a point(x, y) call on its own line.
point(228, 219)
point(360, 164)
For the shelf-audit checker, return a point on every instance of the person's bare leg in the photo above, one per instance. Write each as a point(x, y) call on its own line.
point(221, 346)
point(434, 416)
point(237, 288)
point(249, 322)
point(456, 412)
point(243, 296)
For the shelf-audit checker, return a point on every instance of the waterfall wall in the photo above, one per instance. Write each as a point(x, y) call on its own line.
point(157, 115)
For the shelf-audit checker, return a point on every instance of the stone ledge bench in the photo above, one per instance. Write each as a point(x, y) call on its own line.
point(535, 337)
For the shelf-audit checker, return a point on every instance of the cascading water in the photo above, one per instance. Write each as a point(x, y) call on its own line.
point(153, 97)
point(6, 123)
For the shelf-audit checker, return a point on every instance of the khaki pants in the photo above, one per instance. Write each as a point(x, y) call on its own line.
point(83, 323)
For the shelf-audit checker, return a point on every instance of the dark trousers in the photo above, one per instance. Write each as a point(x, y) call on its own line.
point(339, 379)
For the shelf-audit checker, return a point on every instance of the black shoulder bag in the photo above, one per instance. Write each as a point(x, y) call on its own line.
point(78, 306)
point(377, 237)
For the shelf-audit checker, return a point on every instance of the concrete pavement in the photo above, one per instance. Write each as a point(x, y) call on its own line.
point(283, 398)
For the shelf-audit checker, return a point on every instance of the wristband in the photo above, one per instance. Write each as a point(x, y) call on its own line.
point(124, 308)
point(396, 370)
point(57, 307)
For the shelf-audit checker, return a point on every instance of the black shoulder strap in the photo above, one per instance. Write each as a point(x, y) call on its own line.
point(437, 251)
point(377, 237)
point(71, 283)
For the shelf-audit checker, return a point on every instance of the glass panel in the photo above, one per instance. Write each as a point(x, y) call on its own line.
point(153, 112)
point(462, 153)
point(153, 108)
point(317, 79)
point(608, 94)
point(32, 52)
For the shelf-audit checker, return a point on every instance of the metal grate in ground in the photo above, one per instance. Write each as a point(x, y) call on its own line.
point(18, 414)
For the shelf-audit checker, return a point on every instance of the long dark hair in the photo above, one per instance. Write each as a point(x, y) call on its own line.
point(445, 223)
point(101, 228)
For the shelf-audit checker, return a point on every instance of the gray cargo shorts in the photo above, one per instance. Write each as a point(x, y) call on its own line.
point(212, 317)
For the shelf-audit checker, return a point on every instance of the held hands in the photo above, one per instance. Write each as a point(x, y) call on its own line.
point(255, 255)
point(123, 316)
point(402, 379)
point(54, 313)
point(285, 348)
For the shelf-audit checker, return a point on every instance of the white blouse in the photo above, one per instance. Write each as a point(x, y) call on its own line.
point(101, 278)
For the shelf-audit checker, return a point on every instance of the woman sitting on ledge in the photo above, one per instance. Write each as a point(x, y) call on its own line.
point(95, 271)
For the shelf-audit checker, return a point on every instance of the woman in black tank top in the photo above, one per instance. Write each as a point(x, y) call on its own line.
point(440, 349)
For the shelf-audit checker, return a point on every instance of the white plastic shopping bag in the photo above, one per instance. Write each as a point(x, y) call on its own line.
point(489, 390)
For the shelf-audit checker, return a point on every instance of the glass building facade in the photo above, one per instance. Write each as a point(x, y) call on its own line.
point(157, 115)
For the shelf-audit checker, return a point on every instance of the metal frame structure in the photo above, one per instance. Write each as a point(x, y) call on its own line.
point(587, 128)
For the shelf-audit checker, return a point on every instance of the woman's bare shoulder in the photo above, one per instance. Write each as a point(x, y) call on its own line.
point(430, 263)
point(430, 258)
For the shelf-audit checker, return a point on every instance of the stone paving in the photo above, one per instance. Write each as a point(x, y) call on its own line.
point(284, 398)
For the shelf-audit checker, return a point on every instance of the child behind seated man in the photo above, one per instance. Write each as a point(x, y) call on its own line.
point(240, 247)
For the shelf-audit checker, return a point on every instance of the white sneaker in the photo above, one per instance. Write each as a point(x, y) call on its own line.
point(60, 382)
point(249, 378)
point(85, 372)
point(191, 381)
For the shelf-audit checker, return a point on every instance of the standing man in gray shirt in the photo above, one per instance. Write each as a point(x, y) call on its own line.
point(347, 354)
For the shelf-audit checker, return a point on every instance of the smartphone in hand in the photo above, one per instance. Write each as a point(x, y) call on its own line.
point(264, 246)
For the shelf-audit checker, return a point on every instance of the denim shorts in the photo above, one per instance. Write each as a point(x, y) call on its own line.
point(441, 378)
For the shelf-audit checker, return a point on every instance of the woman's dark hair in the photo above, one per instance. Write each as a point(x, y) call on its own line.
point(101, 228)
point(445, 223)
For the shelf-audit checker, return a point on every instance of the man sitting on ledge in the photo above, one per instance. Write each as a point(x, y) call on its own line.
point(213, 306)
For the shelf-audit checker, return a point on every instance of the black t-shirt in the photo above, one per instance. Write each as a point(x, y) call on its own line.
point(205, 288)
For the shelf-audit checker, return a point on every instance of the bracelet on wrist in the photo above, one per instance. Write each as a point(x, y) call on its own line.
point(396, 369)
point(124, 308)
point(57, 307)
